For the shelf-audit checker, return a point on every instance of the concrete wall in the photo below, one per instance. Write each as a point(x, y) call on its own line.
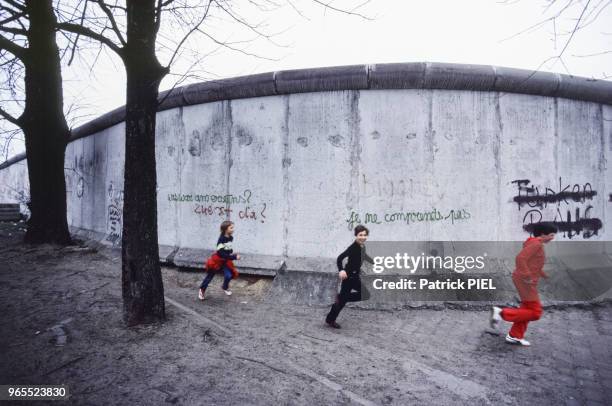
point(300, 169)
point(15, 185)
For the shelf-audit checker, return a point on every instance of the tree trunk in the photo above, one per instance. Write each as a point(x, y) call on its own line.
point(143, 291)
point(45, 129)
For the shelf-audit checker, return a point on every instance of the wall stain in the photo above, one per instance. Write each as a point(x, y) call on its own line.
point(244, 137)
point(195, 144)
point(336, 140)
point(215, 135)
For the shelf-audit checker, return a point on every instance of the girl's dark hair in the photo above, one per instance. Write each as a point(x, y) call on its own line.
point(543, 229)
point(225, 225)
point(361, 228)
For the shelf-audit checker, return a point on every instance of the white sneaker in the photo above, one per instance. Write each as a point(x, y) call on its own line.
point(495, 316)
point(519, 341)
point(228, 292)
point(201, 294)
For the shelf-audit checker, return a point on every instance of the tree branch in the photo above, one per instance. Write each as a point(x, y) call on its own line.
point(158, 12)
point(13, 48)
point(16, 5)
point(109, 14)
point(12, 18)
point(540, 23)
point(595, 54)
point(297, 10)
point(329, 6)
point(76, 40)
point(226, 45)
point(86, 32)
point(575, 28)
point(16, 31)
point(241, 20)
point(196, 27)
point(9, 117)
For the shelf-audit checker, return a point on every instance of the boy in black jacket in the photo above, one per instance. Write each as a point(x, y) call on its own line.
point(350, 274)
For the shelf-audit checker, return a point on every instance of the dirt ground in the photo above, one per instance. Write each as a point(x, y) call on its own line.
point(61, 324)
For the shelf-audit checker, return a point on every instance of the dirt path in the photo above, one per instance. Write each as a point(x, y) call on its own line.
point(61, 323)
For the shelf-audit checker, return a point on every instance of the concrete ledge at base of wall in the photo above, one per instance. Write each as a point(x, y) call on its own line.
point(313, 264)
point(93, 239)
point(252, 264)
point(580, 262)
point(585, 282)
point(195, 258)
point(303, 288)
point(167, 253)
point(249, 264)
point(580, 280)
point(320, 289)
point(479, 306)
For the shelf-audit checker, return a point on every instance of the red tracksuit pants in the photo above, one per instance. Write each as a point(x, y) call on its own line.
point(530, 310)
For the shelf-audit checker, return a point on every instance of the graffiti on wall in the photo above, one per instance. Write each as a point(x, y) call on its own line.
point(80, 187)
point(244, 197)
point(236, 206)
point(408, 217)
point(114, 214)
point(547, 204)
point(385, 187)
point(243, 213)
point(529, 194)
point(81, 170)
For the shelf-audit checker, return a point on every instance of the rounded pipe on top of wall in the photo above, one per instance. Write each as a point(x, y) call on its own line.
point(417, 75)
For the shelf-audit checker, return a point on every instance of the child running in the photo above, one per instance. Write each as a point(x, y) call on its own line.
point(350, 274)
point(222, 260)
point(528, 271)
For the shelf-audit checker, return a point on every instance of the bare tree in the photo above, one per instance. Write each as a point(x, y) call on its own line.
point(29, 53)
point(566, 20)
point(132, 30)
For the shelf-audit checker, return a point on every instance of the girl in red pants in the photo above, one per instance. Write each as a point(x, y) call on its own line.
point(529, 264)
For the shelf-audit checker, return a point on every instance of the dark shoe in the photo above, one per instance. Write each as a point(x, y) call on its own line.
point(332, 324)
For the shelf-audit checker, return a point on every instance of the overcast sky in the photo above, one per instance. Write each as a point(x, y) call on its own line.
point(470, 31)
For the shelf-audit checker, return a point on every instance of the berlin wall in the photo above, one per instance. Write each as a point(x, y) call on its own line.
point(419, 152)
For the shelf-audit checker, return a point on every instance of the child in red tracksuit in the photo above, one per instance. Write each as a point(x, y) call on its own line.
point(529, 264)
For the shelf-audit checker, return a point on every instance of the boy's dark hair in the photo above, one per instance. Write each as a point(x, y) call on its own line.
point(225, 225)
point(361, 228)
point(543, 229)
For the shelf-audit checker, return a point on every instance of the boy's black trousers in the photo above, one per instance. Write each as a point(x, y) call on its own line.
point(353, 282)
